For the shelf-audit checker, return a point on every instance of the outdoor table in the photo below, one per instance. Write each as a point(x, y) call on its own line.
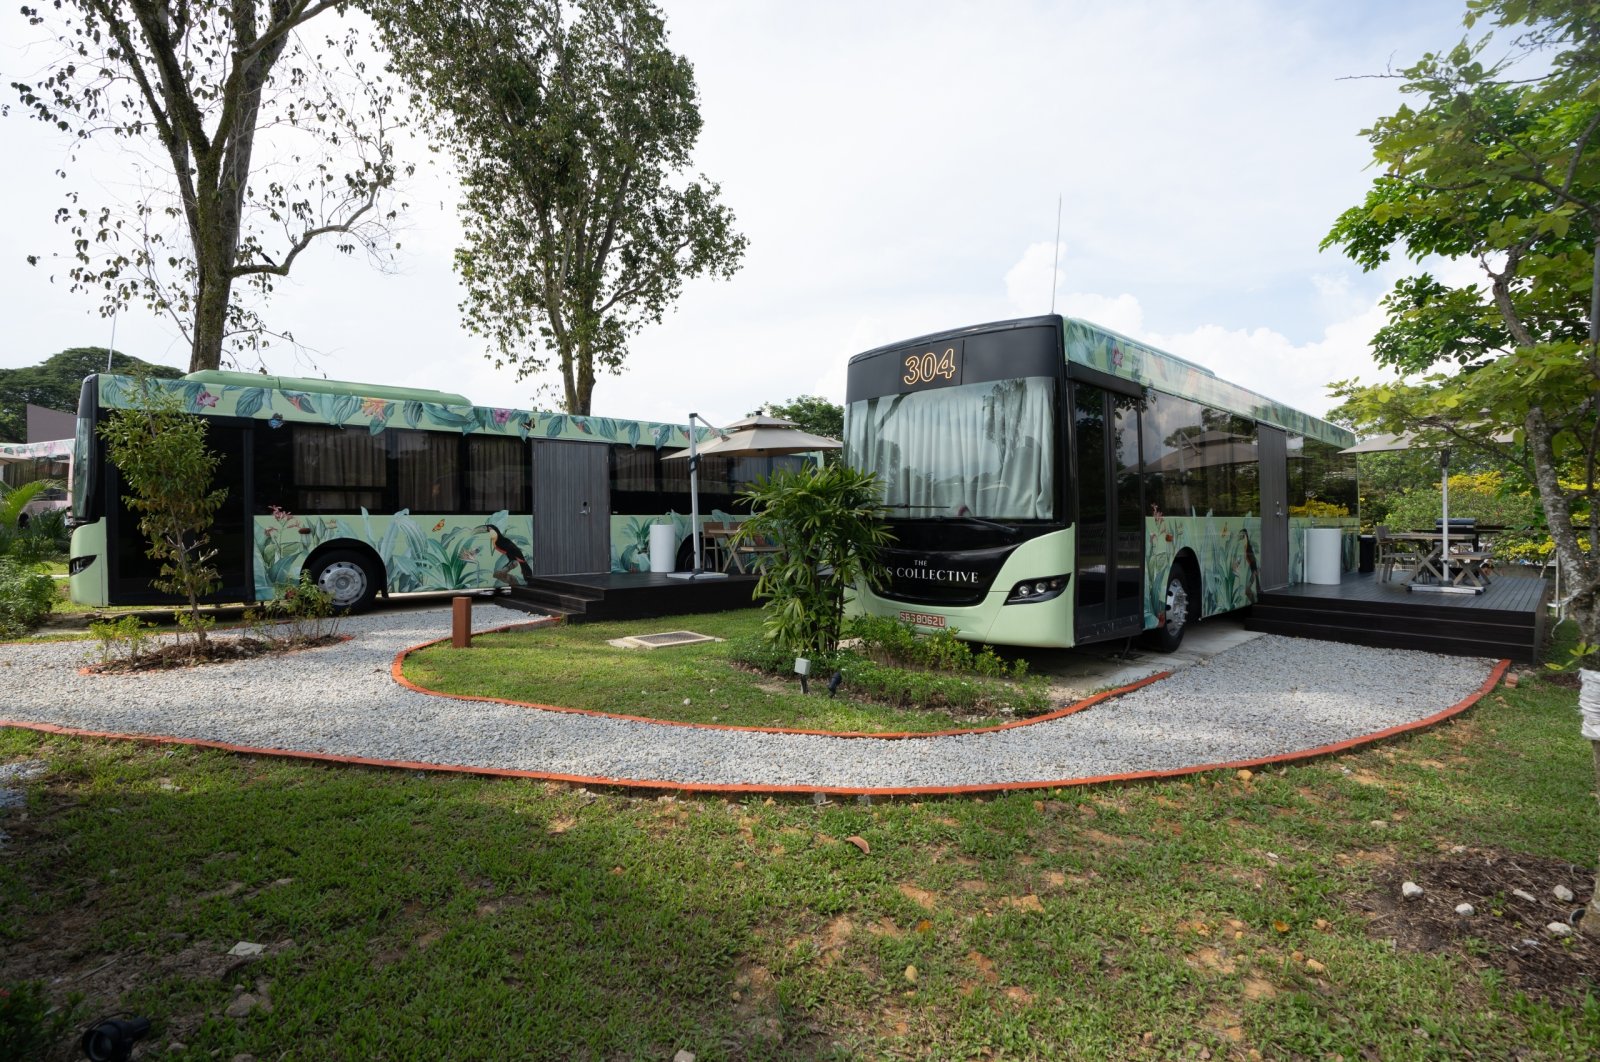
point(1462, 569)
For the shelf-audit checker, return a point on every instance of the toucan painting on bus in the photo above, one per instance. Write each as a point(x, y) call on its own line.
point(502, 544)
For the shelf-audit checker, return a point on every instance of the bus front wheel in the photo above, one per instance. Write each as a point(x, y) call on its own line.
point(348, 578)
point(1167, 637)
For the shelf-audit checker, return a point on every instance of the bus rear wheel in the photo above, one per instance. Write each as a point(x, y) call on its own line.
point(348, 578)
point(1167, 637)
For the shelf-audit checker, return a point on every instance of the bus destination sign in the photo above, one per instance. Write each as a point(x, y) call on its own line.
point(937, 365)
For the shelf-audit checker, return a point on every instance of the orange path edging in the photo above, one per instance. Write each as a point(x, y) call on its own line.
point(1460, 706)
point(395, 671)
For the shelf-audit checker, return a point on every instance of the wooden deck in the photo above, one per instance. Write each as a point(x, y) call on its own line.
point(1507, 620)
point(628, 595)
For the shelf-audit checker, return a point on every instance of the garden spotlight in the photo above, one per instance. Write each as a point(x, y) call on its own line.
point(112, 1039)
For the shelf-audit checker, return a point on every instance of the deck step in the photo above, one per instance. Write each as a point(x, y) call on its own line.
point(528, 605)
point(1508, 621)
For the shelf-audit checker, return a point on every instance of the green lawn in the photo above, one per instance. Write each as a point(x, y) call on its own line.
point(422, 916)
point(572, 666)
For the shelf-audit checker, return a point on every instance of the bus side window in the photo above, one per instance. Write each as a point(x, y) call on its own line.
point(339, 471)
point(497, 474)
point(274, 470)
point(426, 471)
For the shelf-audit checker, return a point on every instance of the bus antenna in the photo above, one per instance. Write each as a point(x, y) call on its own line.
point(1055, 259)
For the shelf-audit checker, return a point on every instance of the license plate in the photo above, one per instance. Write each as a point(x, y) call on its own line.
point(921, 619)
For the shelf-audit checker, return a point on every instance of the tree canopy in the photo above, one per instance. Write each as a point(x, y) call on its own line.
point(1496, 164)
point(205, 84)
point(571, 126)
point(811, 413)
point(54, 384)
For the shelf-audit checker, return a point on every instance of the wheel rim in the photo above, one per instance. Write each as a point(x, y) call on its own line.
point(1177, 604)
point(345, 582)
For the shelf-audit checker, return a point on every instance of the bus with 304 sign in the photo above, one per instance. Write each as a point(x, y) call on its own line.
point(1052, 483)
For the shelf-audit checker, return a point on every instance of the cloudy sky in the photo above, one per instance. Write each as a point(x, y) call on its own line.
point(896, 167)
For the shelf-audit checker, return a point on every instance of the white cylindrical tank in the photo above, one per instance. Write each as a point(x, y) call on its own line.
point(663, 547)
point(1324, 555)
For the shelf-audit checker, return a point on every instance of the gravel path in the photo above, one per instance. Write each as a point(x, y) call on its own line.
point(1265, 698)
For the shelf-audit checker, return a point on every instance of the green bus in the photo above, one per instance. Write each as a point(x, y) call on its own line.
point(1053, 483)
point(373, 489)
point(24, 463)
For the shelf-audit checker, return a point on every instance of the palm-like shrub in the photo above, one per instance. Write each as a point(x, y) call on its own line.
point(26, 593)
point(827, 523)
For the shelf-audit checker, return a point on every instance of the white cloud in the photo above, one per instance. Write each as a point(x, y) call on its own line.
point(1266, 361)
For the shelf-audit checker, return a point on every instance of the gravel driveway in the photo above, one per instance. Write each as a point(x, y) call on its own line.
point(1267, 698)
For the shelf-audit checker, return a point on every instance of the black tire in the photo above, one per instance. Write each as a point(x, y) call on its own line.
point(1180, 607)
point(349, 577)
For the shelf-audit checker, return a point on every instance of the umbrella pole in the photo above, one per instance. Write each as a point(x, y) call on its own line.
point(694, 511)
point(1445, 586)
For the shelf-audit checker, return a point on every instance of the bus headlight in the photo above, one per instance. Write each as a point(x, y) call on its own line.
point(1030, 590)
point(78, 564)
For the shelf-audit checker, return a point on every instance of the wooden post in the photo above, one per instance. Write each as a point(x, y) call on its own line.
point(461, 623)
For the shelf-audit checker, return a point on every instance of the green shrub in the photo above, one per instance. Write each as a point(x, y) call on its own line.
point(29, 1025)
point(760, 654)
point(930, 689)
point(49, 529)
point(305, 611)
point(26, 596)
point(917, 686)
point(890, 641)
point(125, 637)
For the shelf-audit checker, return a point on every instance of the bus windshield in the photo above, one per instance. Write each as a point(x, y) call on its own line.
point(83, 452)
point(975, 450)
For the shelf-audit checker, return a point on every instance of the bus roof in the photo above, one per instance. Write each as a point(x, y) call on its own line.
point(1111, 352)
point(224, 378)
point(30, 451)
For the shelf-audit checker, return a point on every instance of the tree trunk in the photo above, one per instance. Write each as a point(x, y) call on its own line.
point(210, 319)
point(1590, 925)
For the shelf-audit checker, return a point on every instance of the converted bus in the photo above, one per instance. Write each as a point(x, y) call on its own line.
point(373, 489)
point(24, 463)
point(1052, 483)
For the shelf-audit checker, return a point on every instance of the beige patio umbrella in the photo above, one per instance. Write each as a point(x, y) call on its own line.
point(756, 436)
point(761, 436)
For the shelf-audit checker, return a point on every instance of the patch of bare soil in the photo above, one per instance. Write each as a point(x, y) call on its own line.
point(1507, 932)
point(216, 651)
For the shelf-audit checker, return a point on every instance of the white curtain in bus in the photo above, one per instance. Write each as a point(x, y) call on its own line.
point(979, 449)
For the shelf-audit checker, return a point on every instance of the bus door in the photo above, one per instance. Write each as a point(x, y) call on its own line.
point(1110, 513)
point(571, 508)
point(1274, 454)
point(132, 568)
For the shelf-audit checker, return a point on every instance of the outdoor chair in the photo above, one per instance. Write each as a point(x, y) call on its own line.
point(713, 537)
point(1394, 554)
point(752, 550)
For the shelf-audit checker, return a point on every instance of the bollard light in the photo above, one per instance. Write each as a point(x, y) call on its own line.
point(112, 1040)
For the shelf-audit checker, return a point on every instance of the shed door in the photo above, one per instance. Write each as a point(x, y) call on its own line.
point(1274, 453)
point(571, 508)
